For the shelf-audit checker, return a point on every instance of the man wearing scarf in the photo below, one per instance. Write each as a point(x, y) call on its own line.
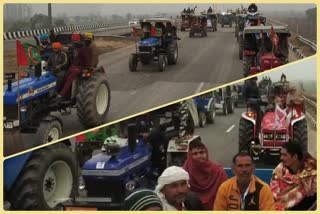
point(294, 180)
point(173, 191)
point(205, 176)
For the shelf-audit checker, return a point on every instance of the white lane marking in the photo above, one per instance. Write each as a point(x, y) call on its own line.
point(230, 128)
point(199, 87)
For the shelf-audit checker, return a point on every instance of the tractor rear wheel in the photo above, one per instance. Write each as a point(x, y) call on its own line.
point(245, 135)
point(230, 106)
point(93, 100)
point(202, 119)
point(211, 115)
point(300, 134)
point(49, 175)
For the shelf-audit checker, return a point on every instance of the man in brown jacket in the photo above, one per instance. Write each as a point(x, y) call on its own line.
point(93, 52)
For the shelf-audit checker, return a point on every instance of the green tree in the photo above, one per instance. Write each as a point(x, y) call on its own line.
point(20, 26)
point(129, 16)
point(39, 21)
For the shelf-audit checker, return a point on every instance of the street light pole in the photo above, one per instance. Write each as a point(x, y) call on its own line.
point(50, 15)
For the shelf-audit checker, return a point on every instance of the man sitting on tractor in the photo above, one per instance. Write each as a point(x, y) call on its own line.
point(294, 180)
point(210, 10)
point(93, 52)
point(57, 64)
point(80, 62)
point(45, 47)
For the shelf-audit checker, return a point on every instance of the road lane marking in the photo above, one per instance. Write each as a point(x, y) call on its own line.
point(199, 87)
point(230, 128)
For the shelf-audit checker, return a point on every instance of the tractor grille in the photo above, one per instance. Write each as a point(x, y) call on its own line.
point(145, 49)
point(112, 189)
point(10, 112)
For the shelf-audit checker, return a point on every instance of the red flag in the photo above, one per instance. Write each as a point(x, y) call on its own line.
point(22, 58)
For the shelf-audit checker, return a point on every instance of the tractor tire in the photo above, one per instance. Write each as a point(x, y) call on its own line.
point(224, 109)
point(191, 34)
point(240, 47)
point(300, 134)
point(133, 63)
point(230, 25)
point(182, 29)
point(162, 63)
point(172, 54)
point(230, 106)
point(247, 63)
point(47, 132)
point(53, 168)
point(211, 115)
point(245, 135)
point(222, 25)
point(202, 119)
point(93, 100)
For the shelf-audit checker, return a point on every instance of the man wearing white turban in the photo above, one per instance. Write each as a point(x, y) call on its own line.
point(173, 190)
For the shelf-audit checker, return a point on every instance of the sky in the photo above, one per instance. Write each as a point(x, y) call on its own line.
point(122, 9)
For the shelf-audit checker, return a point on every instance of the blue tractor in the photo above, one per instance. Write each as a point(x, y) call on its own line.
point(206, 108)
point(28, 104)
point(158, 43)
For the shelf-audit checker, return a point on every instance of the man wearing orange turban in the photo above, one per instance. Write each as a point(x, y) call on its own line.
point(57, 64)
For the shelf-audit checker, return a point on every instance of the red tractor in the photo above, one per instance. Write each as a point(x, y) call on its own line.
point(278, 126)
point(198, 25)
point(265, 47)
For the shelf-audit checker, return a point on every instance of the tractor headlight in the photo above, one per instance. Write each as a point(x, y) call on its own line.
point(281, 137)
point(23, 108)
point(130, 185)
point(267, 136)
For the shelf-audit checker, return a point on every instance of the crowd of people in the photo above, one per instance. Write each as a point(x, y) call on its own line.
point(67, 65)
point(202, 184)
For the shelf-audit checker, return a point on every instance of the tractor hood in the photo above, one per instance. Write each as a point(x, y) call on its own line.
point(268, 123)
point(28, 88)
point(152, 41)
point(124, 162)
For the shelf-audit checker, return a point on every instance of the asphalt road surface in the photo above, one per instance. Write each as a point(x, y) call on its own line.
point(203, 63)
point(221, 138)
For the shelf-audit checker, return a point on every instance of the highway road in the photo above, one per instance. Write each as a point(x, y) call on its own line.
point(203, 63)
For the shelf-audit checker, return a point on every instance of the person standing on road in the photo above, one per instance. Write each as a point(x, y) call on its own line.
point(205, 176)
point(294, 180)
point(93, 52)
point(57, 63)
point(173, 190)
point(244, 191)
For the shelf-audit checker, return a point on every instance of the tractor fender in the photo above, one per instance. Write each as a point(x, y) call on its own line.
point(12, 168)
point(295, 121)
point(243, 115)
point(209, 104)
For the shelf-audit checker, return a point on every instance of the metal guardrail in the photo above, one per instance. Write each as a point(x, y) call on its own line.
point(312, 103)
point(308, 42)
point(309, 116)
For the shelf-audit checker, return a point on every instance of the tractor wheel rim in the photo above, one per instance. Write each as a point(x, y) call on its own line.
point(57, 183)
point(53, 134)
point(102, 99)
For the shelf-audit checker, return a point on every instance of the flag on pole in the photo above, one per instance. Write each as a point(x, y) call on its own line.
point(32, 53)
point(22, 58)
point(280, 115)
